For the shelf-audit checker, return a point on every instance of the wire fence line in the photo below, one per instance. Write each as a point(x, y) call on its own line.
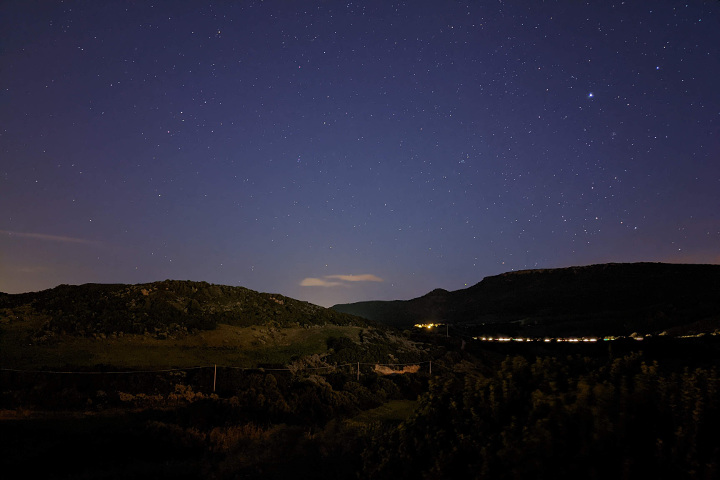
point(378, 368)
point(214, 366)
point(109, 372)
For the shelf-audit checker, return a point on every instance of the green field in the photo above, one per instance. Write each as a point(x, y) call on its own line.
point(226, 345)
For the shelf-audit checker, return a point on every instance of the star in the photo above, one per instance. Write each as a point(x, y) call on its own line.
point(407, 123)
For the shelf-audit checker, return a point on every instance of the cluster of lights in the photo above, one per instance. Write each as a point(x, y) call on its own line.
point(609, 338)
point(698, 335)
point(576, 340)
point(549, 339)
point(428, 325)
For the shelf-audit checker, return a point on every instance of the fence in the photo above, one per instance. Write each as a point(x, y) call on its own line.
point(200, 376)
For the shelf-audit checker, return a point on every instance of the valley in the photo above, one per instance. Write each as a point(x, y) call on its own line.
point(192, 380)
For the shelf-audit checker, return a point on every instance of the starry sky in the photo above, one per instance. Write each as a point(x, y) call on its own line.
point(340, 151)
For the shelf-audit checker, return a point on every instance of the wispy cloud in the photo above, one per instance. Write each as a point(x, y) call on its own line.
point(47, 238)
point(319, 282)
point(344, 280)
point(357, 278)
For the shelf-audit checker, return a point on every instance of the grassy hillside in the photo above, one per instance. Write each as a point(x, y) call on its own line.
point(225, 345)
point(177, 324)
point(169, 306)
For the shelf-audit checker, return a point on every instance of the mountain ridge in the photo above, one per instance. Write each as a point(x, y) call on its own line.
point(611, 298)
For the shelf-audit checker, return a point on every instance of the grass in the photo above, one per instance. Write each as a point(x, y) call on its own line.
point(226, 345)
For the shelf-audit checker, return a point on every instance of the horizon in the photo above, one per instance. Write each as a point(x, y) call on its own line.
point(466, 285)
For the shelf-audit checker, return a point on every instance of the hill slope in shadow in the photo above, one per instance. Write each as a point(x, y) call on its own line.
point(605, 299)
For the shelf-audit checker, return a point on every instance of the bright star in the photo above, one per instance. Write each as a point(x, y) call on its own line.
point(591, 95)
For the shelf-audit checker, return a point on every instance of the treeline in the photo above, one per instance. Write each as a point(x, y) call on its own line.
point(572, 417)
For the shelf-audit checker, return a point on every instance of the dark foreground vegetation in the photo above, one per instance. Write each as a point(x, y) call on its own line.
point(606, 412)
point(258, 425)
point(569, 416)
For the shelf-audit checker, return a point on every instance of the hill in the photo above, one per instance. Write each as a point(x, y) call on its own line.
point(163, 306)
point(177, 323)
point(606, 299)
point(191, 380)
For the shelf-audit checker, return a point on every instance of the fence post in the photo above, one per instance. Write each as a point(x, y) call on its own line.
point(214, 377)
point(358, 375)
point(430, 367)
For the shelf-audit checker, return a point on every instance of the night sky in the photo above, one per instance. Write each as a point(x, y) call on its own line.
point(339, 151)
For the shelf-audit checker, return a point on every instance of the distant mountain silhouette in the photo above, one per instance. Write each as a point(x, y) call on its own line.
point(606, 299)
point(165, 306)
